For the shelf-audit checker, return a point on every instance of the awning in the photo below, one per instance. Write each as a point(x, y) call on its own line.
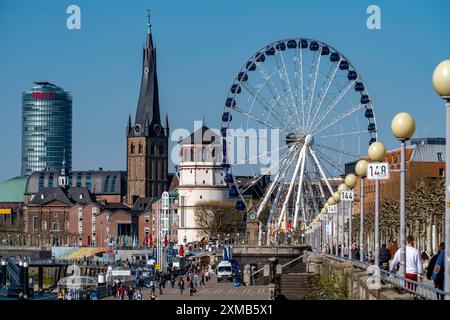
point(85, 252)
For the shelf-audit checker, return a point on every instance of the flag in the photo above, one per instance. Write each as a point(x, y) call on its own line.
point(165, 240)
point(181, 252)
point(151, 241)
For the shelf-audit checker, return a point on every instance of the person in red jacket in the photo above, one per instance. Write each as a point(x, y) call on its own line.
point(121, 291)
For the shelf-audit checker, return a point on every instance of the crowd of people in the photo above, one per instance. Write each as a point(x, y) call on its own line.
point(195, 276)
point(418, 265)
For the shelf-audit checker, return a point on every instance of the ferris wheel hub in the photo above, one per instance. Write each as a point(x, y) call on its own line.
point(309, 140)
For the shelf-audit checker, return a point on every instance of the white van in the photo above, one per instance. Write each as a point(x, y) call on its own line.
point(224, 271)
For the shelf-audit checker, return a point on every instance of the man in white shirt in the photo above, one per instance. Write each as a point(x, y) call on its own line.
point(414, 267)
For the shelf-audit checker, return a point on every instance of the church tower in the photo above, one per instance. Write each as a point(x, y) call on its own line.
point(147, 140)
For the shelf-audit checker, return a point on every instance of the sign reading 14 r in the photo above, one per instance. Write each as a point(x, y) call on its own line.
point(347, 195)
point(378, 171)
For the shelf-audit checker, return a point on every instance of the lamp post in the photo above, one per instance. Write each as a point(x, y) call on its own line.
point(337, 197)
point(332, 202)
point(330, 216)
point(441, 83)
point(350, 182)
point(361, 171)
point(403, 127)
point(377, 152)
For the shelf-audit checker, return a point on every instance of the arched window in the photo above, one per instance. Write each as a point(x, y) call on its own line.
point(140, 148)
point(154, 150)
point(132, 148)
point(44, 225)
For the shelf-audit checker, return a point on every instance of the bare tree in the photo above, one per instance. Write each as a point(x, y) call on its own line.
point(216, 217)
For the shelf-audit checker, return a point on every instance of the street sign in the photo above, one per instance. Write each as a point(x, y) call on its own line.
point(347, 195)
point(5, 211)
point(332, 209)
point(158, 266)
point(378, 171)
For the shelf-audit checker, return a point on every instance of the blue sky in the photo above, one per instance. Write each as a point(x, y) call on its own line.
point(201, 46)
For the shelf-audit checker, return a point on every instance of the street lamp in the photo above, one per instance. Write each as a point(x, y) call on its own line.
point(361, 171)
point(332, 202)
point(403, 127)
point(441, 83)
point(350, 182)
point(337, 198)
point(342, 187)
point(377, 152)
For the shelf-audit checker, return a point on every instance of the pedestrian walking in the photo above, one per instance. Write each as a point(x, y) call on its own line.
point(121, 291)
point(181, 286)
point(384, 257)
point(152, 285)
point(433, 260)
point(393, 248)
point(354, 253)
point(438, 271)
point(137, 295)
point(191, 288)
point(414, 267)
point(130, 292)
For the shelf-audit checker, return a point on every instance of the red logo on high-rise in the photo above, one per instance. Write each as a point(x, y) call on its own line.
point(42, 95)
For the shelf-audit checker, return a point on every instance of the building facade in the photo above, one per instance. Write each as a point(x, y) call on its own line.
point(201, 178)
point(147, 139)
point(46, 128)
point(425, 158)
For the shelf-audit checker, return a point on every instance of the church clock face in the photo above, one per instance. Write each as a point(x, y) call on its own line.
point(137, 128)
point(252, 216)
point(146, 70)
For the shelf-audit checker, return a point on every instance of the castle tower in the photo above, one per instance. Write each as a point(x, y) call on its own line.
point(147, 140)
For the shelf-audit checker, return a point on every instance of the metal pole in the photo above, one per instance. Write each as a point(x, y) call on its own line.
point(349, 246)
point(402, 209)
point(361, 223)
point(377, 223)
point(332, 233)
point(343, 229)
point(447, 206)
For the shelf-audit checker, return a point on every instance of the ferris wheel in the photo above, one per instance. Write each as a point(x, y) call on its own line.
point(296, 113)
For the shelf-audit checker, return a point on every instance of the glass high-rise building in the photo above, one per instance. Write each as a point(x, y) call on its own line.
point(46, 128)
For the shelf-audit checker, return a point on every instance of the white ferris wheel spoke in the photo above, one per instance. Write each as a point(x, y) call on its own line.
point(334, 102)
point(340, 151)
point(343, 134)
point(341, 117)
point(324, 91)
point(291, 186)
point(274, 92)
point(282, 71)
point(261, 121)
point(300, 188)
point(317, 65)
point(269, 107)
point(336, 165)
point(322, 173)
point(280, 174)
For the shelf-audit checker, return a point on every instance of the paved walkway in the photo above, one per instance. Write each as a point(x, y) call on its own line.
point(212, 291)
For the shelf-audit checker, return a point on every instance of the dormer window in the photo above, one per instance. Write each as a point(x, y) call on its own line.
point(81, 196)
point(42, 196)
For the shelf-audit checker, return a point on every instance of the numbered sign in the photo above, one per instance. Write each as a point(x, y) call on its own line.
point(332, 209)
point(347, 195)
point(378, 171)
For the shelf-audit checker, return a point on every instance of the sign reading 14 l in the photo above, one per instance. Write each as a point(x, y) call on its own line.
point(378, 171)
point(347, 195)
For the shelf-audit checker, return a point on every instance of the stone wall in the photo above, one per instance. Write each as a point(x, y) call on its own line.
point(357, 280)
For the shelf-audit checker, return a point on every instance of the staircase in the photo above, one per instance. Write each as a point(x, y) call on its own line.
point(12, 274)
point(296, 286)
